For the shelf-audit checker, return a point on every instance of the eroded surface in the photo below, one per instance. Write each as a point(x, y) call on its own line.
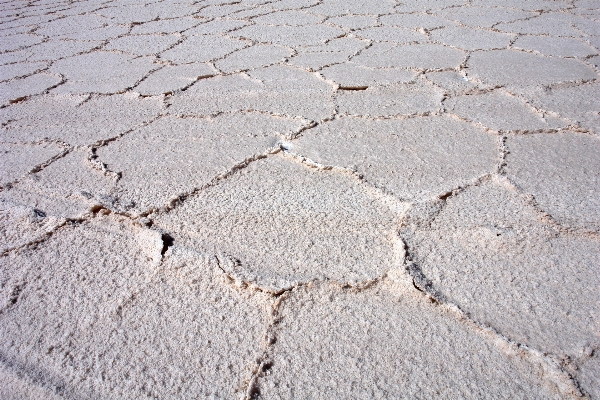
point(299, 198)
point(323, 352)
point(270, 226)
point(509, 268)
point(150, 313)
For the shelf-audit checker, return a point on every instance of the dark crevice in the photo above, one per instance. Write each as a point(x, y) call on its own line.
point(253, 392)
point(354, 87)
point(18, 100)
point(417, 287)
point(16, 292)
point(168, 242)
point(445, 195)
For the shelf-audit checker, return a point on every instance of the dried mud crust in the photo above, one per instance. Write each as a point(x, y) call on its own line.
point(299, 199)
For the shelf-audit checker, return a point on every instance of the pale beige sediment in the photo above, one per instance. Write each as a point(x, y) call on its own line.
point(415, 348)
point(299, 199)
point(94, 312)
point(269, 225)
point(490, 252)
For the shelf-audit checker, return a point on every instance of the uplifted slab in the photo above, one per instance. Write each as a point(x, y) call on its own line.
point(561, 47)
point(16, 90)
point(188, 154)
point(279, 90)
point(578, 103)
point(416, 158)
point(166, 26)
point(357, 7)
point(471, 39)
point(484, 17)
point(76, 120)
point(490, 252)
point(18, 70)
point(253, 57)
point(19, 159)
point(353, 21)
point(89, 313)
point(54, 49)
point(101, 72)
point(502, 112)
point(420, 98)
point(428, 5)
point(552, 24)
point(292, 36)
point(427, 56)
point(352, 76)
point(414, 20)
point(562, 172)
point(278, 223)
point(334, 52)
point(288, 17)
point(387, 342)
point(519, 70)
point(16, 42)
point(172, 78)
point(143, 45)
point(390, 34)
point(202, 49)
point(453, 83)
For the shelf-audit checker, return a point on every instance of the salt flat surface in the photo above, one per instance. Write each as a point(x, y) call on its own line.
point(311, 199)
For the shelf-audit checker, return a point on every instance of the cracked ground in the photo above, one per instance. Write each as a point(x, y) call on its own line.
point(307, 199)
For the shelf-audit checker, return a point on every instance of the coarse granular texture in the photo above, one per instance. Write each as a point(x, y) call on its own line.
point(307, 199)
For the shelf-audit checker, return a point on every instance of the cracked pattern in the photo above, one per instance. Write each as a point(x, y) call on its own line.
point(77, 120)
point(188, 154)
point(568, 192)
point(402, 156)
point(276, 204)
point(489, 110)
point(508, 268)
point(112, 341)
point(406, 354)
point(243, 198)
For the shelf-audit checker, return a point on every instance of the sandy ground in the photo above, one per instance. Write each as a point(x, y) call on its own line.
point(299, 199)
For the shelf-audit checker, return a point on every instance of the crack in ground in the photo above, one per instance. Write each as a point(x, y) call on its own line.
point(552, 365)
point(67, 149)
point(419, 280)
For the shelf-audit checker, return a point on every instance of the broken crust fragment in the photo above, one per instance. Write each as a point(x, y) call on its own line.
point(91, 312)
point(188, 154)
point(415, 159)
point(489, 252)
point(387, 341)
point(279, 222)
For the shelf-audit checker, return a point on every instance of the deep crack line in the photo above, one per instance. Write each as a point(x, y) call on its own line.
point(551, 364)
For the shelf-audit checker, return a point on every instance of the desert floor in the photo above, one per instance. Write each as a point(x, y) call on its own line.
point(299, 199)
